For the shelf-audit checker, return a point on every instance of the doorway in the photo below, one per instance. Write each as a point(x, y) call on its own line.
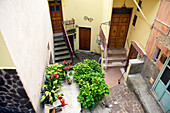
point(161, 87)
point(56, 16)
point(119, 27)
point(84, 38)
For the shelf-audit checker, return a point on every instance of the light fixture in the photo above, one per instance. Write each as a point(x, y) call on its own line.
point(87, 18)
point(124, 6)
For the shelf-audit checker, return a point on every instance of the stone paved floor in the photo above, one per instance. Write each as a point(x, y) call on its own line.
point(112, 76)
point(122, 100)
point(81, 55)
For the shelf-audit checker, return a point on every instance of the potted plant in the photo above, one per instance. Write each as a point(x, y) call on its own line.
point(50, 89)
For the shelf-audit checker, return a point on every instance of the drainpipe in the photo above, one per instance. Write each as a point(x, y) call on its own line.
point(142, 13)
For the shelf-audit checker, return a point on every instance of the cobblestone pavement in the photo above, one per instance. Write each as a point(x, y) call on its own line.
point(122, 100)
point(81, 55)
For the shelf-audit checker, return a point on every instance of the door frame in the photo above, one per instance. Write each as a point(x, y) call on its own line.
point(61, 12)
point(158, 97)
point(112, 20)
point(79, 37)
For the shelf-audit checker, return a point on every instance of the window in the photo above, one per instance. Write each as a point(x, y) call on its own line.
point(163, 58)
point(156, 54)
point(165, 76)
point(140, 3)
point(134, 20)
point(52, 8)
point(57, 8)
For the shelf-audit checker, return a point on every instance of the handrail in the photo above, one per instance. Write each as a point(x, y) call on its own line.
point(69, 47)
point(102, 36)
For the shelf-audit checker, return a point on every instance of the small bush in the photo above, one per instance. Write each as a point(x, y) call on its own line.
point(89, 76)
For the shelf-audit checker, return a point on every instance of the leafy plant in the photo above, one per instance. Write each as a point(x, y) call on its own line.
point(89, 76)
point(50, 94)
point(55, 75)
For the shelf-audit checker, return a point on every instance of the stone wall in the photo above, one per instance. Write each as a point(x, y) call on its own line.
point(136, 68)
point(13, 98)
point(149, 70)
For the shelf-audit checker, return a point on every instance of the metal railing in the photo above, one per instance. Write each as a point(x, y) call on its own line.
point(166, 34)
point(67, 38)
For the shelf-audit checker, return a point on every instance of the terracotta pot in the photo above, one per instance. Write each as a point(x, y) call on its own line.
point(69, 83)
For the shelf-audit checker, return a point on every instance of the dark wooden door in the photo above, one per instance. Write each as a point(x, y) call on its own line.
point(84, 38)
point(56, 17)
point(118, 30)
point(132, 53)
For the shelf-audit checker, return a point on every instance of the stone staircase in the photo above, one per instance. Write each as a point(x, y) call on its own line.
point(60, 49)
point(116, 58)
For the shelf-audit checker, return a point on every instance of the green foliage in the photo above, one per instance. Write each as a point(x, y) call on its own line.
point(89, 76)
point(55, 75)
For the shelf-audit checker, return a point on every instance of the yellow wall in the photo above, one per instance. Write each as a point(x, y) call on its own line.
point(5, 58)
point(140, 33)
point(106, 16)
point(77, 9)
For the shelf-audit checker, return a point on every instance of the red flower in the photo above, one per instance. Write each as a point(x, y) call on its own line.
point(68, 67)
point(69, 64)
point(56, 70)
point(65, 62)
point(51, 78)
point(53, 74)
point(65, 68)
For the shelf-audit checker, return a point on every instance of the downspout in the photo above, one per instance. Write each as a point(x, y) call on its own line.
point(142, 13)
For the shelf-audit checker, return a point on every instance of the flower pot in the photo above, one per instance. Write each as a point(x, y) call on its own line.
point(69, 83)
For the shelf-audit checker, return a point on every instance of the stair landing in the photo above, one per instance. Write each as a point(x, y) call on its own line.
point(116, 58)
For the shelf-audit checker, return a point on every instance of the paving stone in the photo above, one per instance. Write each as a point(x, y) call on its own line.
point(126, 101)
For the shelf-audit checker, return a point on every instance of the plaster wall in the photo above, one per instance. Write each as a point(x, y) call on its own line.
point(106, 17)
point(162, 15)
point(77, 9)
point(26, 29)
point(141, 31)
point(5, 58)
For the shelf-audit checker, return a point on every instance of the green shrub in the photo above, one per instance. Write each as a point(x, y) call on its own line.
point(89, 76)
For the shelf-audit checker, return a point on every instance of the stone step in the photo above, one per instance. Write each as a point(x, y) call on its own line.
point(60, 48)
point(63, 57)
point(119, 51)
point(59, 43)
point(57, 53)
point(56, 35)
point(115, 64)
point(115, 58)
point(58, 39)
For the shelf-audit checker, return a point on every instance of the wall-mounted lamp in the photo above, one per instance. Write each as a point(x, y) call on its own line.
point(124, 6)
point(87, 18)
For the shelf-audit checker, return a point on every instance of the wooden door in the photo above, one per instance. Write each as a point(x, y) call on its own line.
point(84, 38)
point(56, 17)
point(161, 87)
point(118, 30)
point(132, 53)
